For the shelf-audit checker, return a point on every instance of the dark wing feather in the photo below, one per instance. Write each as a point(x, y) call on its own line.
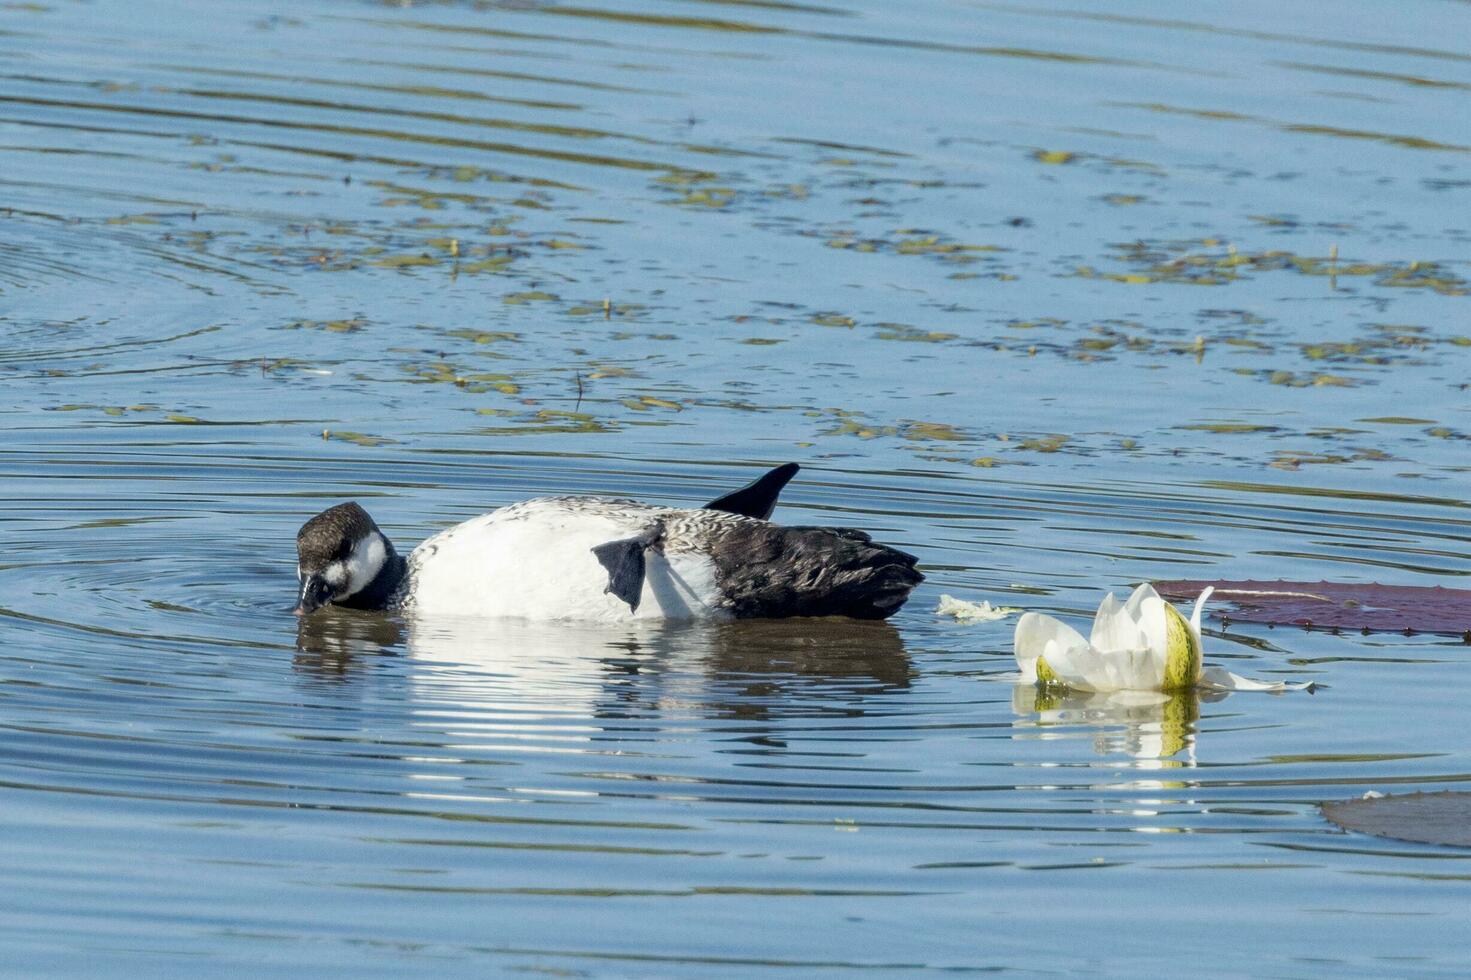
point(626, 565)
point(766, 570)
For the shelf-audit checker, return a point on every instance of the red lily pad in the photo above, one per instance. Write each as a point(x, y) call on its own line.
point(1337, 606)
point(1426, 818)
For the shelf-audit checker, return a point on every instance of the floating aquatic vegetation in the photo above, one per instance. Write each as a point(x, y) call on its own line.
point(134, 219)
point(697, 189)
point(715, 198)
point(600, 369)
point(907, 241)
point(483, 336)
point(405, 261)
point(1397, 420)
point(643, 403)
point(493, 263)
point(849, 423)
point(464, 173)
point(425, 198)
point(932, 432)
point(1335, 605)
point(1425, 818)
point(404, 246)
point(1043, 444)
point(473, 382)
point(967, 612)
point(1143, 644)
point(1292, 379)
point(1036, 324)
point(1212, 262)
point(331, 326)
point(357, 438)
point(1055, 157)
point(550, 421)
point(904, 332)
point(1234, 428)
point(529, 296)
point(1288, 459)
point(116, 411)
point(607, 309)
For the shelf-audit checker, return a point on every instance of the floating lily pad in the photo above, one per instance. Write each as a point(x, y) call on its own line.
point(1426, 818)
point(1333, 605)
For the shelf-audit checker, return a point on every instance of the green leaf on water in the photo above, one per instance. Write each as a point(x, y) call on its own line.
point(933, 431)
point(1398, 420)
point(483, 336)
point(485, 265)
point(1229, 427)
point(1054, 156)
point(357, 438)
point(904, 332)
point(405, 261)
point(1045, 444)
point(532, 296)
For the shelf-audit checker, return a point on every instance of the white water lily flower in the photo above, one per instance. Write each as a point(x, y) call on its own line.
point(972, 612)
point(1144, 644)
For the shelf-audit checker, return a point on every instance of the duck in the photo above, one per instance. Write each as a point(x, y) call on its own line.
point(609, 560)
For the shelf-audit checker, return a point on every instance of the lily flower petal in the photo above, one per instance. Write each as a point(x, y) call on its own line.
point(1144, 591)
point(1078, 667)
point(1148, 609)
point(1195, 613)
point(1035, 634)
point(1115, 628)
point(1220, 679)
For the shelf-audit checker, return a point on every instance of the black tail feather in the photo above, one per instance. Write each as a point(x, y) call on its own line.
point(757, 498)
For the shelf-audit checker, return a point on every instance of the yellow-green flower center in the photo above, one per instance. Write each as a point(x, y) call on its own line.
point(1182, 653)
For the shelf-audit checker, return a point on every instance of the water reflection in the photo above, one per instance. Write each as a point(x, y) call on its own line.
point(737, 670)
point(1156, 729)
point(333, 642)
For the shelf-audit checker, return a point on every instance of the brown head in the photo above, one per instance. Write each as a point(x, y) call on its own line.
point(339, 553)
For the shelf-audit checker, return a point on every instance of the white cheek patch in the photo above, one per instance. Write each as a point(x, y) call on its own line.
point(365, 562)
point(335, 574)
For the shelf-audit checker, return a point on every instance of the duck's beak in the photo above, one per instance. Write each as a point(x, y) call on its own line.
point(315, 593)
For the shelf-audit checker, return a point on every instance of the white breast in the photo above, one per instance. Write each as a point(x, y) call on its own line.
point(534, 560)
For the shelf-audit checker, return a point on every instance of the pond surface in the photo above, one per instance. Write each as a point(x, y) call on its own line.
point(1059, 299)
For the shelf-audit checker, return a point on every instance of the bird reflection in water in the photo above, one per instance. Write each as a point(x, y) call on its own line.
point(337, 642)
point(1156, 729)
point(753, 670)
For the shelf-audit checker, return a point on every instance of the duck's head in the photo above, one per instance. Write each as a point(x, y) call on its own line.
point(339, 553)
